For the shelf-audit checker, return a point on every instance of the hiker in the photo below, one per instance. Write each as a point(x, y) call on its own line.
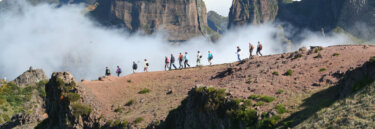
point(199, 57)
point(186, 60)
point(180, 59)
point(210, 57)
point(172, 63)
point(251, 46)
point(166, 66)
point(135, 66)
point(238, 53)
point(118, 71)
point(107, 71)
point(30, 68)
point(146, 66)
point(259, 49)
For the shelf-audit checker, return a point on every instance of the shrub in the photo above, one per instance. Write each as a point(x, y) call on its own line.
point(335, 54)
point(124, 123)
point(260, 103)
point(109, 122)
point(80, 109)
point(318, 56)
point(267, 99)
point(41, 88)
point(118, 109)
point(116, 123)
point(72, 96)
point(6, 117)
point(253, 97)
point(129, 81)
point(130, 102)
point(138, 120)
point(298, 56)
point(275, 73)
point(247, 102)
point(322, 69)
point(372, 60)
point(279, 91)
point(249, 81)
point(248, 117)
point(144, 91)
point(280, 109)
point(289, 72)
point(269, 123)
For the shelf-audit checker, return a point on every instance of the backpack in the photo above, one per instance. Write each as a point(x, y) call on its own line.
point(180, 57)
point(119, 70)
point(252, 47)
point(260, 47)
point(147, 64)
point(168, 60)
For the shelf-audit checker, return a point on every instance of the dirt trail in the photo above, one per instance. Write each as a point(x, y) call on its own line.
point(254, 76)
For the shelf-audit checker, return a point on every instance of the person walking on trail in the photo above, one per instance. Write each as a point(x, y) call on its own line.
point(238, 53)
point(251, 47)
point(135, 67)
point(118, 71)
point(146, 66)
point(180, 59)
point(210, 57)
point(199, 57)
point(172, 62)
point(107, 71)
point(259, 49)
point(186, 63)
point(167, 61)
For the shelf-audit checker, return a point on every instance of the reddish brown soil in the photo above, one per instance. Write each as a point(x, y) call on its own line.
point(105, 96)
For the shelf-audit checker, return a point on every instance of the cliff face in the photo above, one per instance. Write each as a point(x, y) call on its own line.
point(183, 19)
point(217, 22)
point(355, 16)
point(245, 12)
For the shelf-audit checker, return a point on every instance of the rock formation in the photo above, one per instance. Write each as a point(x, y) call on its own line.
point(245, 12)
point(30, 76)
point(183, 19)
point(217, 22)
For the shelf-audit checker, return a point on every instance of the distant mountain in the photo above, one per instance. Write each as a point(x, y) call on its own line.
point(217, 22)
point(355, 16)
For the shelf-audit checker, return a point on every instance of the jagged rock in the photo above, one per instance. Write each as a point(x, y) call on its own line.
point(30, 76)
point(183, 19)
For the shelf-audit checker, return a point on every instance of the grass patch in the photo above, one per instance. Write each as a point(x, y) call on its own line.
point(116, 123)
point(280, 109)
point(6, 117)
point(335, 54)
point(129, 81)
point(260, 103)
point(269, 123)
point(322, 69)
point(289, 72)
point(144, 91)
point(247, 103)
point(318, 56)
point(130, 102)
point(118, 109)
point(279, 91)
point(249, 81)
point(254, 97)
point(275, 73)
point(72, 96)
point(80, 109)
point(267, 99)
point(138, 120)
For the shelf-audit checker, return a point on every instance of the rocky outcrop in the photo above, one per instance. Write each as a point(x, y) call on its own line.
point(245, 12)
point(64, 105)
point(30, 76)
point(217, 22)
point(183, 19)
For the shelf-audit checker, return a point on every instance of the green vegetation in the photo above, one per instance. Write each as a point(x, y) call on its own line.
point(267, 99)
point(80, 109)
point(249, 81)
point(41, 88)
point(289, 72)
point(280, 109)
point(130, 102)
point(124, 123)
point(144, 91)
point(322, 69)
point(335, 54)
point(275, 73)
point(260, 103)
point(118, 109)
point(268, 123)
point(72, 96)
point(361, 83)
point(138, 120)
point(318, 56)
point(6, 117)
point(372, 60)
point(247, 103)
point(254, 97)
point(129, 81)
point(279, 91)
point(116, 123)
point(298, 56)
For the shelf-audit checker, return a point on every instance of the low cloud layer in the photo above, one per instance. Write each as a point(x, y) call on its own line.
point(65, 39)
